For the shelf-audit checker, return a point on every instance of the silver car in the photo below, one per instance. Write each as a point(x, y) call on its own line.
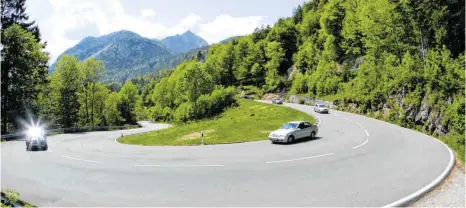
point(320, 108)
point(36, 139)
point(293, 131)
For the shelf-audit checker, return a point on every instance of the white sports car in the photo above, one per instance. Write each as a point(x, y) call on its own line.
point(293, 131)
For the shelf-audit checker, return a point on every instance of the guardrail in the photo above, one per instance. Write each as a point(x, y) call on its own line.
point(17, 135)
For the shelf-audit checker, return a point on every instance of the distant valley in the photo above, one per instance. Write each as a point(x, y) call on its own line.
point(127, 54)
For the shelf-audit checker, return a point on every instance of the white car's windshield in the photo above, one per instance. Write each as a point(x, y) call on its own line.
point(320, 106)
point(289, 126)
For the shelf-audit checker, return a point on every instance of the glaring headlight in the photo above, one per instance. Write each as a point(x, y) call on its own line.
point(34, 132)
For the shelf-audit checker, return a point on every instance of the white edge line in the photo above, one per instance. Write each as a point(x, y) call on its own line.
point(73, 158)
point(304, 158)
point(432, 184)
point(361, 144)
point(178, 166)
point(366, 132)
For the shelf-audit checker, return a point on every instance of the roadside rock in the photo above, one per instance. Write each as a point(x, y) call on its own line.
point(270, 96)
point(308, 101)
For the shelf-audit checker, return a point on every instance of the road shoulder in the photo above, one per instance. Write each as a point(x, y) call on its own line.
point(451, 193)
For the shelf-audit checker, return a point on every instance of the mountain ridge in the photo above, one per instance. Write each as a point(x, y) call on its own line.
point(127, 54)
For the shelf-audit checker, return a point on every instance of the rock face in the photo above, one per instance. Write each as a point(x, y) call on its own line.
point(308, 101)
point(421, 115)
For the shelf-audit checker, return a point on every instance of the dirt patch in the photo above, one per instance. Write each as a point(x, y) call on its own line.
point(270, 96)
point(195, 135)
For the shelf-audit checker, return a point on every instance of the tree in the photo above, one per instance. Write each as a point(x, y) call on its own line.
point(14, 12)
point(112, 113)
point(196, 82)
point(276, 55)
point(130, 99)
point(24, 70)
point(93, 72)
point(65, 85)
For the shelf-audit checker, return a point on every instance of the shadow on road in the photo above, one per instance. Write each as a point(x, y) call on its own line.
point(303, 140)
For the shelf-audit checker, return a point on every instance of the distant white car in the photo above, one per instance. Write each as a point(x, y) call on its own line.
point(320, 108)
point(293, 131)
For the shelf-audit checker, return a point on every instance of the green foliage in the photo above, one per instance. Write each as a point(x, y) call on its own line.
point(130, 102)
point(190, 93)
point(64, 88)
point(24, 70)
point(93, 94)
point(112, 114)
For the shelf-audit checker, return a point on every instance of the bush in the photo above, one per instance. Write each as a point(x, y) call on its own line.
point(301, 100)
point(184, 112)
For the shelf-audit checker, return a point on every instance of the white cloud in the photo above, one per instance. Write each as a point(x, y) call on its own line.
point(225, 26)
point(147, 13)
point(109, 16)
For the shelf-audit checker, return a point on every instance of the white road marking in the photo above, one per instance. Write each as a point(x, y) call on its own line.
point(320, 121)
point(366, 132)
point(73, 158)
point(359, 124)
point(178, 166)
point(361, 144)
point(296, 159)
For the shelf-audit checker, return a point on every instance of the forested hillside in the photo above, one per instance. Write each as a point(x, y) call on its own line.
point(401, 61)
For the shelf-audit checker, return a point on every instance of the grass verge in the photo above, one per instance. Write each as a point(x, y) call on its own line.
point(251, 121)
point(11, 199)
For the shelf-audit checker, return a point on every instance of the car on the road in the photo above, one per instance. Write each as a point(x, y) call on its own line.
point(292, 131)
point(277, 101)
point(36, 139)
point(320, 108)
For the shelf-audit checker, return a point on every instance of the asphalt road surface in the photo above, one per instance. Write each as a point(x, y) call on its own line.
point(355, 161)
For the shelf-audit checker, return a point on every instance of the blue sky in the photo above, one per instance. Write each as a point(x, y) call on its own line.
point(64, 23)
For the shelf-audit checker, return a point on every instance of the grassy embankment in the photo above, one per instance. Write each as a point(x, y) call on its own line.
point(251, 121)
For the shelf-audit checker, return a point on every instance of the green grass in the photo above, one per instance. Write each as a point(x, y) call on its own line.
point(251, 121)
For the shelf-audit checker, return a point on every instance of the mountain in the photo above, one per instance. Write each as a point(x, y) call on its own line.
point(124, 53)
point(127, 55)
point(184, 42)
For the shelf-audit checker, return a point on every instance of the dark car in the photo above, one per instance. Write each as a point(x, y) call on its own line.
point(277, 101)
point(36, 139)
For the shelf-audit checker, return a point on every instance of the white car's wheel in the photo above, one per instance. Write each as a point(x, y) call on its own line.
point(313, 135)
point(290, 139)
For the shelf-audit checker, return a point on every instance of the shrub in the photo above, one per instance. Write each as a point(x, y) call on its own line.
point(301, 100)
